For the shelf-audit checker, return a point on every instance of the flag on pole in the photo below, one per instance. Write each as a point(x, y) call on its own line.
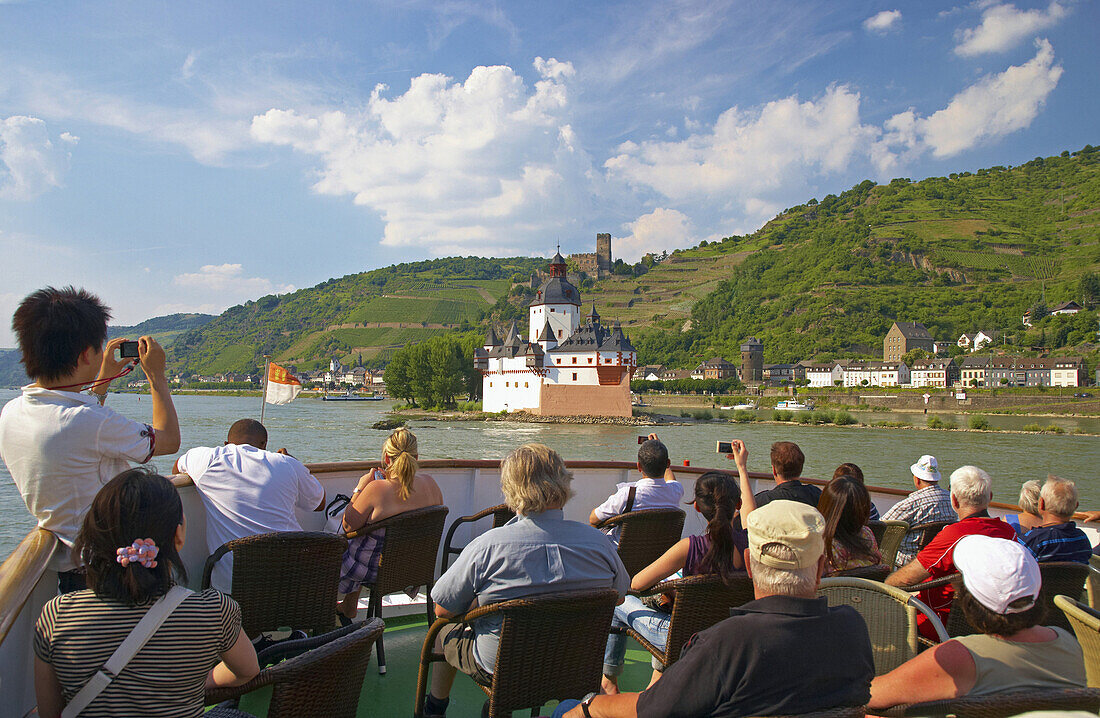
point(282, 386)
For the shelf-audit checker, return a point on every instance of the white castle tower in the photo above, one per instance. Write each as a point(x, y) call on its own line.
point(564, 368)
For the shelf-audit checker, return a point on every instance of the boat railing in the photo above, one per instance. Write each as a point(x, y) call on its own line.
point(27, 582)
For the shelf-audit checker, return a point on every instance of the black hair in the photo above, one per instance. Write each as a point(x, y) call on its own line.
point(653, 458)
point(136, 504)
point(988, 621)
point(846, 506)
point(55, 326)
point(717, 497)
point(248, 431)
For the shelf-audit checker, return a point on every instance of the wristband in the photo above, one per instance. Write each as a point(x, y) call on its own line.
point(587, 702)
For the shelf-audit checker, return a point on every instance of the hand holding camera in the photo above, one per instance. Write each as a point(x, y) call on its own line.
point(736, 450)
point(151, 356)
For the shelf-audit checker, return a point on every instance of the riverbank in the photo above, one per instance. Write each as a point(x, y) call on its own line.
point(645, 418)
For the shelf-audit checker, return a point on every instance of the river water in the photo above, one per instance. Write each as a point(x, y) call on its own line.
point(334, 431)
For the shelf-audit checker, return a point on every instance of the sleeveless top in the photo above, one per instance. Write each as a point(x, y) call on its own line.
point(699, 545)
point(1006, 665)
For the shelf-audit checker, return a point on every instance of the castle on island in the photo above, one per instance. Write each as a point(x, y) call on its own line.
point(564, 367)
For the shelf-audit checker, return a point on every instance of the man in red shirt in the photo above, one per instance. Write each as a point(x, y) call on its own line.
point(971, 492)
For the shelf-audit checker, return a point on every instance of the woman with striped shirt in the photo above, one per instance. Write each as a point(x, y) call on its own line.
point(129, 544)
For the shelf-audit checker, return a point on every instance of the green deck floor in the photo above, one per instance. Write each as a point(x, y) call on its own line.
point(394, 694)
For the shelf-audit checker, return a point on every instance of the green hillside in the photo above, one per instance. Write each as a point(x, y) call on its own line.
point(371, 314)
point(959, 253)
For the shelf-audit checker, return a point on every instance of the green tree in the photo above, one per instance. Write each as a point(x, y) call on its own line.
point(1089, 288)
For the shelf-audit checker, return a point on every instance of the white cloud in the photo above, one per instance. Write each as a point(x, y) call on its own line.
point(483, 164)
point(229, 279)
point(747, 153)
point(882, 22)
point(991, 108)
point(661, 229)
point(69, 138)
point(1004, 27)
point(30, 163)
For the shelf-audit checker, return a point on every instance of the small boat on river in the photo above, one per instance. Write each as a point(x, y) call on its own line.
point(793, 405)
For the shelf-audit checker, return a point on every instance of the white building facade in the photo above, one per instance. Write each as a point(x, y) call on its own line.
point(564, 367)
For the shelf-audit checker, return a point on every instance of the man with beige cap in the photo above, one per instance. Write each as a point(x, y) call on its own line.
point(787, 652)
point(928, 503)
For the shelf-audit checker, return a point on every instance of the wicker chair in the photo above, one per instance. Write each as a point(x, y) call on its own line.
point(699, 602)
point(1092, 584)
point(889, 535)
point(283, 580)
point(407, 559)
point(645, 535)
point(1086, 625)
point(890, 614)
point(501, 515)
point(551, 646)
point(1002, 705)
point(928, 531)
point(325, 680)
point(1059, 577)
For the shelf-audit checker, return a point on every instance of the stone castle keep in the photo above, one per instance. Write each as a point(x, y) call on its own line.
point(596, 264)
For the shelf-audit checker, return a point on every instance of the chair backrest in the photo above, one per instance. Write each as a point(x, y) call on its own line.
point(550, 646)
point(323, 681)
point(699, 603)
point(501, 514)
point(1066, 578)
point(1086, 626)
point(890, 615)
point(1059, 577)
point(928, 531)
point(645, 535)
point(286, 579)
point(1092, 583)
point(1009, 703)
point(889, 535)
point(409, 551)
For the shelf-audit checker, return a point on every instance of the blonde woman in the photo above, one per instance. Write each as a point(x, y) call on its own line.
point(391, 490)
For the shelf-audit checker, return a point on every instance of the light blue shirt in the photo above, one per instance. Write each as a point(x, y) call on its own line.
point(529, 555)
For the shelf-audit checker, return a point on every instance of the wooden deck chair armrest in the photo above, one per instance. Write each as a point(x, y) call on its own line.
point(480, 514)
point(208, 567)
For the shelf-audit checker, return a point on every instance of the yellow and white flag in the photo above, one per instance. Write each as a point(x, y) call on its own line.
point(282, 386)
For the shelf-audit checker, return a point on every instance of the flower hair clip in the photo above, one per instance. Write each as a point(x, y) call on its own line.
point(143, 551)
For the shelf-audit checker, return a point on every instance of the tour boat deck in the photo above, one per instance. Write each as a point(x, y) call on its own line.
point(394, 694)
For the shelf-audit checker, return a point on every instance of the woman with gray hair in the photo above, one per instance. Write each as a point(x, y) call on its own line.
point(537, 552)
point(1029, 517)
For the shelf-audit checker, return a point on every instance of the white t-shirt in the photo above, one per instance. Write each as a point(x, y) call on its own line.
point(61, 447)
point(651, 494)
point(247, 491)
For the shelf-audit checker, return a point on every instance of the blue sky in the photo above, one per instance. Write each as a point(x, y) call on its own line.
point(191, 156)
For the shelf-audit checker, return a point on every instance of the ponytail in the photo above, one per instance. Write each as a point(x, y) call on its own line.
point(401, 449)
point(717, 497)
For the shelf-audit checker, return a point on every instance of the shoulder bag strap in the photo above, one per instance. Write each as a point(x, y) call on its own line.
point(630, 499)
point(158, 613)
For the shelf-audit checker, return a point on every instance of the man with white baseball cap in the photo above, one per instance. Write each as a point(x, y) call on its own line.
point(928, 503)
point(787, 652)
point(1011, 651)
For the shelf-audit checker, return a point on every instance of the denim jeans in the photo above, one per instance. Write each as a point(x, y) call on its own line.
point(650, 624)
